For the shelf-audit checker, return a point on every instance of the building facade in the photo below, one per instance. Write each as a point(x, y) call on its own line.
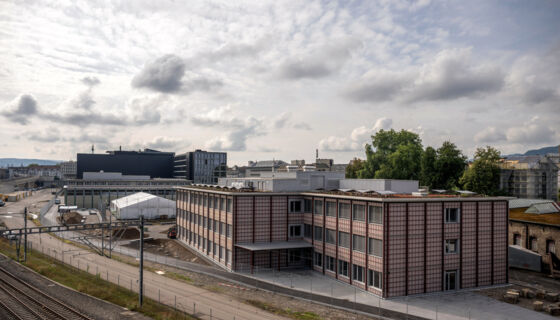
point(69, 169)
point(200, 166)
point(532, 177)
point(386, 243)
point(152, 163)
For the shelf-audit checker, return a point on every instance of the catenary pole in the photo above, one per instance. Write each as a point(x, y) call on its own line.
point(141, 276)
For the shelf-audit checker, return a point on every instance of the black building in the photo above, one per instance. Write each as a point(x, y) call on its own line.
point(200, 166)
point(149, 162)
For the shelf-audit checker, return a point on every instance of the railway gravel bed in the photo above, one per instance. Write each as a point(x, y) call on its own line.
point(89, 306)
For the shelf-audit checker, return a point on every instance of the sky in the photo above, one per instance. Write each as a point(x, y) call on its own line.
point(276, 79)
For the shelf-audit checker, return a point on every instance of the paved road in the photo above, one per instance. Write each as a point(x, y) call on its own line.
point(205, 304)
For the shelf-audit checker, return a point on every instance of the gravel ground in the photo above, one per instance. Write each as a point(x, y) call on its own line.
point(243, 294)
point(95, 308)
point(167, 247)
point(520, 279)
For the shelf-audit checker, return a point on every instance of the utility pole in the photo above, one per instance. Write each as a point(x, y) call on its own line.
point(110, 228)
point(25, 234)
point(141, 277)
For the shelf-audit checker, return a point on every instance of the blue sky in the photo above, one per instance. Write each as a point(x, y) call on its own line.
point(276, 79)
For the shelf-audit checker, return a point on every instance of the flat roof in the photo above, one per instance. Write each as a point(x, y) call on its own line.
point(351, 194)
point(277, 245)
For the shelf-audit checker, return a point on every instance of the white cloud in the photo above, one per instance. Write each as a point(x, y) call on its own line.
point(490, 135)
point(534, 131)
point(358, 138)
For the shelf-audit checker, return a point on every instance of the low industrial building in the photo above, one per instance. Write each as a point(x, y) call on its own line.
point(102, 188)
point(142, 204)
point(535, 225)
point(383, 236)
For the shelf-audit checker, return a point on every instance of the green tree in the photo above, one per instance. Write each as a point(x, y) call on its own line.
point(353, 168)
point(483, 176)
point(450, 165)
point(428, 171)
point(393, 155)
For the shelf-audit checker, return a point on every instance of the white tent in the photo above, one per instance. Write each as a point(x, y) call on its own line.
point(141, 203)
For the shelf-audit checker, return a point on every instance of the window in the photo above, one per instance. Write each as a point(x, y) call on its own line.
point(210, 223)
point(228, 256)
point(550, 247)
point(330, 236)
point(517, 239)
point(359, 212)
point(375, 214)
point(307, 230)
point(318, 259)
point(451, 246)
point(318, 208)
point(210, 202)
point(229, 205)
point(375, 247)
point(344, 210)
point(533, 243)
point(329, 263)
point(375, 279)
point(344, 239)
point(221, 252)
point(295, 231)
point(357, 273)
point(307, 205)
point(229, 230)
point(451, 215)
point(294, 255)
point(343, 268)
point(318, 234)
point(295, 206)
point(222, 228)
point(215, 248)
point(358, 243)
point(330, 209)
point(222, 204)
point(216, 203)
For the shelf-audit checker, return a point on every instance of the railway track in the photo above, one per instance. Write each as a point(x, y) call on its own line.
point(19, 300)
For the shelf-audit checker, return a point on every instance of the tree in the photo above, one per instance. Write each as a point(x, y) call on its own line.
point(450, 165)
point(353, 168)
point(428, 171)
point(397, 155)
point(483, 176)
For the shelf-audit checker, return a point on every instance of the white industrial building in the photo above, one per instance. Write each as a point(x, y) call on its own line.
point(141, 203)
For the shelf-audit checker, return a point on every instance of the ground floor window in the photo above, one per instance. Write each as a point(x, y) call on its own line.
point(375, 279)
point(228, 256)
point(533, 243)
point(221, 252)
point(357, 273)
point(318, 259)
point(550, 248)
point(329, 263)
point(294, 256)
point(343, 268)
point(517, 239)
point(450, 280)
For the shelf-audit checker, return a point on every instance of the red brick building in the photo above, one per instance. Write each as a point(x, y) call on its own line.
point(388, 244)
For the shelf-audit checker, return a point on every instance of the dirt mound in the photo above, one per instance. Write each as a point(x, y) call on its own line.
point(71, 218)
point(129, 233)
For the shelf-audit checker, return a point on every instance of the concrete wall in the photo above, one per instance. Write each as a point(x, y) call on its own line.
point(398, 186)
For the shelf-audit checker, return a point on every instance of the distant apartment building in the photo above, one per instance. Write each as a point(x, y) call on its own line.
point(200, 166)
point(46, 172)
point(382, 236)
point(69, 169)
point(532, 177)
point(149, 162)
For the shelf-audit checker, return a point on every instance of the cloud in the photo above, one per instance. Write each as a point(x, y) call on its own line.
point(51, 134)
point(168, 74)
point(451, 75)
point(165, 143)
point(320, 62)
point(21, 109)
point(164, 74)
point(534, 131)
point(490, 134)
point(358, 137)
point(90, 81)
point(302, 126)
point(236, 139)
point(284, 120)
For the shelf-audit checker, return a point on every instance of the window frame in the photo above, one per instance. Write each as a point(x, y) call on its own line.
point(372, 276)
point(354, 205)
point(363, 243)
point(315, 233)
point(347, 241)
point(295, 225)
point(447, 215)
point(358, 273)
point(447, 243)
point(343, 266)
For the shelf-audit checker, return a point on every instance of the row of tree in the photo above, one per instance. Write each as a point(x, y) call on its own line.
point(400, 155)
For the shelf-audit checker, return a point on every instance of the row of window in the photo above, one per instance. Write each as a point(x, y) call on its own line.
point(533, 243)
point(208, 245)
point(345, 210)
point(374, 278)
point(375, 246)
point(207, 201)
point(208, 223)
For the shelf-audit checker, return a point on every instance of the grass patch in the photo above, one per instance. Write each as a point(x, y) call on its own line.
point(299, 315)
point(92, 285)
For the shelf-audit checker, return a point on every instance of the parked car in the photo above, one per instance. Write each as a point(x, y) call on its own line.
point(56, 201)
point(2, 203)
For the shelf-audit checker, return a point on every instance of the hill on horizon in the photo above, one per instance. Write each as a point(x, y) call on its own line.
point(19, 162)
